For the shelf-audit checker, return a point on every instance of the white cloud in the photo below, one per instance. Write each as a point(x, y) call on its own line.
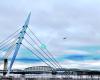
point(21, 65)
point(88, 64)
point(76, 52)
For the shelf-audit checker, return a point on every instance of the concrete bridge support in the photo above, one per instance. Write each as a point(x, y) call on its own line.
point(5, 66)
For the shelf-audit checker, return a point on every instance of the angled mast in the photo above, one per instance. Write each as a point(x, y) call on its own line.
point(19, 42)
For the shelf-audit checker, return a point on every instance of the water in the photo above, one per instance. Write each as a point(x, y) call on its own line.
point(53, 77)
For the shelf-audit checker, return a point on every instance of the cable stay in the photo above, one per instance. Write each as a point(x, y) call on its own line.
point(8, 44)
point(38, 56)
point(40, 53)
point(42, 50)
point(13, 35)
point(8, 52)
point(46, 49)
point(9, 40)
point(10, 49)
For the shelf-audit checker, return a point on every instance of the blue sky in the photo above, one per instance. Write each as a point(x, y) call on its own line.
point(77, 20)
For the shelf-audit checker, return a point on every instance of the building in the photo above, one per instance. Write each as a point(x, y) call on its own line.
point(39, 68)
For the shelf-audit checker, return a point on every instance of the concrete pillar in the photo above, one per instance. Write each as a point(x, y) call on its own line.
point(5, 66)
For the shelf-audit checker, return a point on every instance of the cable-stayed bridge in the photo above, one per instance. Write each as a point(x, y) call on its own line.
point(13, 43)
